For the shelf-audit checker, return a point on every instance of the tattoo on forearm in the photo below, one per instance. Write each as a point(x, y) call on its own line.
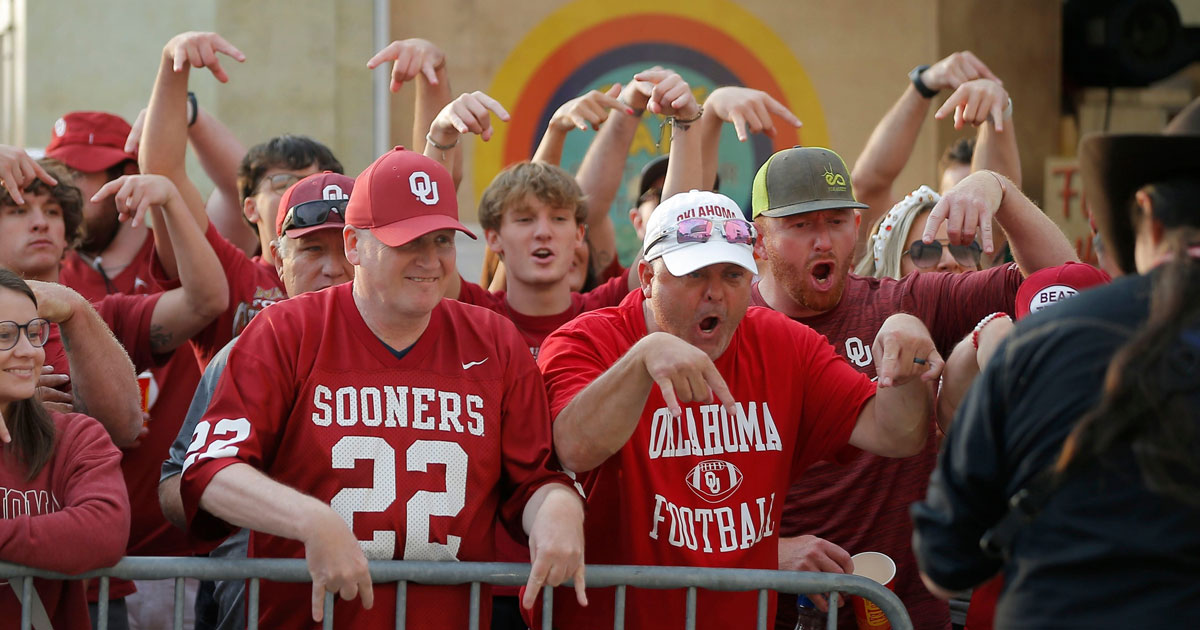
point(160, 338)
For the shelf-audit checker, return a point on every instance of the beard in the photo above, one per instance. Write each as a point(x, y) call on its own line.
point(797, 281)
point(98, 231)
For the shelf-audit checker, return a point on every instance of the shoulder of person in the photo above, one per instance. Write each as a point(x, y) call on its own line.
point(74, 430)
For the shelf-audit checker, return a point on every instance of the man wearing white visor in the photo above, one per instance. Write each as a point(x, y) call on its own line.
point(686, 414)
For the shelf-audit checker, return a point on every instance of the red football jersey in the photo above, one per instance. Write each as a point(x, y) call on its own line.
point(418, 454)
point(707, 489)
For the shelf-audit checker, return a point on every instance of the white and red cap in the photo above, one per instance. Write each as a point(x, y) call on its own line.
point(328, 186)
point(684, 258)
point(404, 195)
point(1055, 284)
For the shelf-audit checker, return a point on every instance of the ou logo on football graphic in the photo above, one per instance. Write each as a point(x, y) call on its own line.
point(714, 480)
point(423, 188)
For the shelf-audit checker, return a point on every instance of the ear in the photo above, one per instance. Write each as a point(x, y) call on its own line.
point(250, 209)
point(581, 234)
point(492, 237)
point(277, 258)
point(857, 220)
point(760, 246)
point(1147, 221)
point(635, 218)
point(350, 242)
point(646, 275)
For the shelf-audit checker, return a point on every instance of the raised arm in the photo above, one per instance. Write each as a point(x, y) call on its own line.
point(102, 377)
point(671, 96)
point(423, 63)
point(583, 440)
point(603, 167)
point(891, 142)
point(750, 111)
point(204, 291)
point(965, 363)
point(589, 110)
point(164, 141)
point(968, 210)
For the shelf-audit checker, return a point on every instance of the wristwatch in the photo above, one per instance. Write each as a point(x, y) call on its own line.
point(915, 77)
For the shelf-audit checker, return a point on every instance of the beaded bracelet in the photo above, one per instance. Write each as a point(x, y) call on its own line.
point(983, 323)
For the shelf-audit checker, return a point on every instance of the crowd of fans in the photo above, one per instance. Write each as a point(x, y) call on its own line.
point(294, 367)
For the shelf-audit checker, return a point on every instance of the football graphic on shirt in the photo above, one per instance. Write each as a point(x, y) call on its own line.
point(714, 480)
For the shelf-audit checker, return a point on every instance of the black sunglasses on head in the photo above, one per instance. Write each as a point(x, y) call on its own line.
point(313, 213)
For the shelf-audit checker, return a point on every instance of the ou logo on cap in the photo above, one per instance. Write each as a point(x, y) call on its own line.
point(333, 192)
point(423, 188)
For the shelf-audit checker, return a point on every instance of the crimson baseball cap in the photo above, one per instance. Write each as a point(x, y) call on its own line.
point(90, 142)
point(684, 258)
point(404, 195)
point(318, 192)
point(1055, 284)
point(802, 179)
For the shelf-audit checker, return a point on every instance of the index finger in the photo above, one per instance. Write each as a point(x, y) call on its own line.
point(668, 394)
point(609, 101)
point(318, 601)
point(494, 105)
point(4, 434)
point(779, 110)
point(580, 586)
point(888, 367)
point(42, 174)
point(653, 76)
point(717, 384)
point(936, 216)
point(229, 49)
point(366, 592)
point(533, 587)
point(108, 189)
point(950, 105)
point(388, 53)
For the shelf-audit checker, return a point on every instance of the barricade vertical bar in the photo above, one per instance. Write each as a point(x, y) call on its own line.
point(762, 609)
point(102, 605)
point(178, 603)
point(401, 603)
point(26, 602)
point(474, 623)
point(832, 620)
point(252, 614)
point(619, 609)
point(547, 607)
point(691, 609)
point(328, 611)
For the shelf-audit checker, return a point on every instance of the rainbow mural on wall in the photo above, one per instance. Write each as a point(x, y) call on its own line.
point(589, 45)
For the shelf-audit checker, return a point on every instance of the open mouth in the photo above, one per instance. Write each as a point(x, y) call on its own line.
point(709, 324)
point(542, 254)
point(822, 273)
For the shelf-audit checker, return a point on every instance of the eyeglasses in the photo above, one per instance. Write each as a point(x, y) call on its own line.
point(37, 330)
point(280, 182)
point(736, 231)
point(312, 213)
point(926, 255)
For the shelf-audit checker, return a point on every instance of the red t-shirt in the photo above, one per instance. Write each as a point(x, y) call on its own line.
point(534, 328)
point(314, 399)
point(93, 285)
point(253, 286)
point(706, 490)
point(128, 316)
point(863, 504)
point(72, 517)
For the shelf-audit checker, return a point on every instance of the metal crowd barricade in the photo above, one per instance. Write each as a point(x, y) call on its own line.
point(474, 573)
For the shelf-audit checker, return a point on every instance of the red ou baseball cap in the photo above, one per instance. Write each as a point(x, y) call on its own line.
point(404, 195)
point(317, 202)
point(1054, 284)
point(90, 142)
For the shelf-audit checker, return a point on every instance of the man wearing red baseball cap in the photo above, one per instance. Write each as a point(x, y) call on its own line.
point(342, 388)
point(92, 144)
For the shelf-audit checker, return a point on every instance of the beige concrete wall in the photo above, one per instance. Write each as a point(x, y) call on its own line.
point(857, 54)
point(305, 70)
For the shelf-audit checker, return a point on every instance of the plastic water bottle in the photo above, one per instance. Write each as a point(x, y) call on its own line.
point(807, 615)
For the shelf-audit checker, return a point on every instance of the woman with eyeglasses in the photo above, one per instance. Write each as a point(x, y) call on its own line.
point(65, 506)
point(895, 248)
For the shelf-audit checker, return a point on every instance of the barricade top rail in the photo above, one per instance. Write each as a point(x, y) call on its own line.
point(498, 573)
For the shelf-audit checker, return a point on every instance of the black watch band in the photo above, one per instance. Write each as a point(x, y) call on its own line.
point(922, 89)
point(195, 108)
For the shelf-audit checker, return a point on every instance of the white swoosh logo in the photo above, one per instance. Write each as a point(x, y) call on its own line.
point(467, 366)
